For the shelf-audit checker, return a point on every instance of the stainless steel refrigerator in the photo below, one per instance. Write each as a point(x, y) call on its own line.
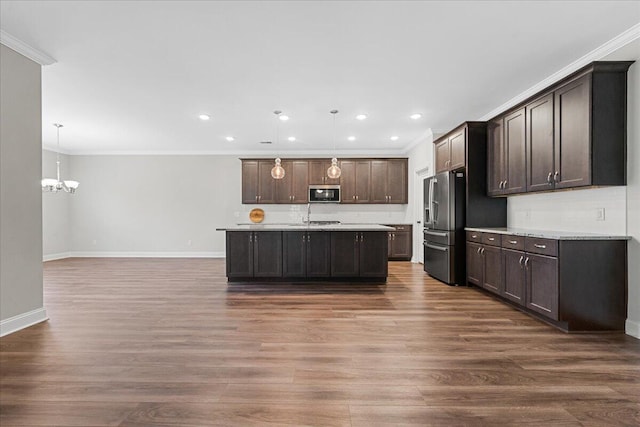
point(444, 221)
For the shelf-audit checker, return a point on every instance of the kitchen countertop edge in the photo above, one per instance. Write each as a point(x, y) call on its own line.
point(302, 227)
point(557, 235)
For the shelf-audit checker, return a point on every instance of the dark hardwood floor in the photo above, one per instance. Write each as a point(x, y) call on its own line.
point(163, 342)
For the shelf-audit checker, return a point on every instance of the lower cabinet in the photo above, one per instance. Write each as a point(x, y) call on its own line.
point(359, 254)
point(306, 254)
point(254, 254)
point(400, 243)
point(576, 285)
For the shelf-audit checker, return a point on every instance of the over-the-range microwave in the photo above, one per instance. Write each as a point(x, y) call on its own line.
point(324, 194)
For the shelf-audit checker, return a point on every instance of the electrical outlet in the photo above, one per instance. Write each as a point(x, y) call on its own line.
point(600, 214)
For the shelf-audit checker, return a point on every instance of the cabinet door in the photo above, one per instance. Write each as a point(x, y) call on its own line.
point(239, 253)
point(572, 135)
point(397, 181)
point(515, 153)
point(299, 181)
point(378, 181)
point(266, 184)
point(458, 150)
point(542, 284)
point(495, 157)
point(493, 273)
point(401, 244)
point(443, 156)
point(317, 172)
point(539, 137)
point(363, 181)
point(514, 278)
point(348, 181)
point(294, 253)
point(344, 254)
point(389, 244)
point(318, 254)
point(373, 254)
point(474, 264)
point(267, 253)
point(283, 186)
point(249, 181)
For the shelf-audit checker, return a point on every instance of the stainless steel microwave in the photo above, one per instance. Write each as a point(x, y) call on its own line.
point(324, 194)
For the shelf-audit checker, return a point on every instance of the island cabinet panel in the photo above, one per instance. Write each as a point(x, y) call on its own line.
point(373, 254)
point(575, 135)
point(540, 166)
point(306, 254)
point(254, 254)
point(443, 155)
point(294, 186)
point(345, 254)
point(514, 276)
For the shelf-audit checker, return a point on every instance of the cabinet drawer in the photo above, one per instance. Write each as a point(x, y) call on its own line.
point(491, 239)
point(537, 245)
point(513, 242)
point(474, 236)
point(401, 227)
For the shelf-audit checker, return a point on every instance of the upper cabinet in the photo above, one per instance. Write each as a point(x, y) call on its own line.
point(574, 135)
point(451, 151)
point(361, 181)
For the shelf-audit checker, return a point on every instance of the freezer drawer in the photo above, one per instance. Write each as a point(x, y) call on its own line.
point(439, 262)
point(440, 237)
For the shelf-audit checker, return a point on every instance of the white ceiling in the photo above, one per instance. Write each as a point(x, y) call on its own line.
point(134, 76)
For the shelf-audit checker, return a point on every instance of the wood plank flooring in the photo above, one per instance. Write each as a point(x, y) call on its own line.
point(166, 342)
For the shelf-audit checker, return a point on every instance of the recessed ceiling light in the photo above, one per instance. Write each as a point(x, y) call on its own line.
point(283, 118)
point(204, 117)
point(416, 116)
point(291, 138)
point(351, 138)
point(361, 116)
point(395, 138)
point(230, 138)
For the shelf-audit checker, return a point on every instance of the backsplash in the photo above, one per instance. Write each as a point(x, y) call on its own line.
point(597, 210)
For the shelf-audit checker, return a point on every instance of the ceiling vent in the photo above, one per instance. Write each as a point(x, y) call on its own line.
point(265, 142)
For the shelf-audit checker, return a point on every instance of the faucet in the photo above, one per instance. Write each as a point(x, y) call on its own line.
point(308, 214)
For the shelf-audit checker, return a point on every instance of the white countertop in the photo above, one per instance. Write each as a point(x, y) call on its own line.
point(557, 235)
point(302, 227)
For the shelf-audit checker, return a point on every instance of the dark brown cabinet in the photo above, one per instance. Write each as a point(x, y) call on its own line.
point(294, 186)
point(306, 254)
point(574, 134)
point(254, 254)
point(576, 285)
point(443, 155)
point(539, 141)
point(355, 181)
point(389, 181)
point(257, 184)
point(359, 254)
point(318, 173)
point(451, 151)
point(400, 243)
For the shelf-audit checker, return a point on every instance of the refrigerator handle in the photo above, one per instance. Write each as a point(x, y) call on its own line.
point(434, 203)
point(427, 219)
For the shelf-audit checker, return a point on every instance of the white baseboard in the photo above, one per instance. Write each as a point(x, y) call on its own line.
point(123, 254)
point(21, 321)
point(53, 257)
point(632, 328)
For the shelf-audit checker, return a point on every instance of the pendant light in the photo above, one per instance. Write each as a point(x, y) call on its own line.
point(277, 172)
point(50, 185)
point(334, 171)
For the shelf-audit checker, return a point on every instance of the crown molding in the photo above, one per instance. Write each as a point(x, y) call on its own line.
point(24, 49)
point(246, 153)
point(600, 52)
point(422, 138)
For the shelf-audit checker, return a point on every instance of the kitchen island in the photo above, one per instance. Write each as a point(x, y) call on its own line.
point(307, 252)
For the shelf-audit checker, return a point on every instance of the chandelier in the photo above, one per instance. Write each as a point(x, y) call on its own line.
point(334, 170)
point(51, 185)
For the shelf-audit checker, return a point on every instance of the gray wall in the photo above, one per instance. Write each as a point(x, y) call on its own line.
point(56, 238)
point(20, 193)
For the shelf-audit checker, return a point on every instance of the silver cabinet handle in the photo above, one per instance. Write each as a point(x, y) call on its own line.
point(482, 252)
point(354, 197)
point(362, 237)
point(389, 236)
point(491, 239)
point(540, 246)
point(303, 238)
point(478, 251)
point(555, 176)
point(500, 184)
point(357, 198)
point(308, 238)
point(475, 236)
point(394, 236)
point(526, 263)
point(513, 242)
point(520, 261)
point(504, 185)
point(256, 198)
point(255, 238)
point(250, 237)
point(549, 178)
